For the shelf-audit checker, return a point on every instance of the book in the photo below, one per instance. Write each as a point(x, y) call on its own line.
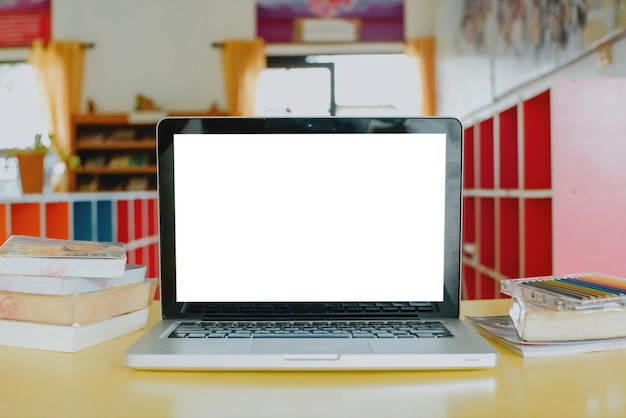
point(81, 308)
point(70, 339)
point(59, 285)
point(35, 256)
point(540, 323)
point(581, 306)
point(501, 330)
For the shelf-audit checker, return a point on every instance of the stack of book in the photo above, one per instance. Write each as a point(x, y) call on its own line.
point(556, 315)
point(64, 295)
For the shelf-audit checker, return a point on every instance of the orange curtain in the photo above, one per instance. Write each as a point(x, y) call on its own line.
point(242, 62)
point(59, 68)
point(424, 50)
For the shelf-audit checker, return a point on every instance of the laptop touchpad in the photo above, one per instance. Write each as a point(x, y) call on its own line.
point(314, 346)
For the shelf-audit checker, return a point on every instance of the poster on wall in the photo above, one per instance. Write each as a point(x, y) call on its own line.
point(330, 20)
point(532, 26)
point(527, 38)
point(22, 21)
point(533, 38)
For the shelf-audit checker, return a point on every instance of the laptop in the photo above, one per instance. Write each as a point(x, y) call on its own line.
point(310, 243)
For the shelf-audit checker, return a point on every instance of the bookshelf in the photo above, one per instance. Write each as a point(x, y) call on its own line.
point(118, 150)
point(507, 197)
point(116, 154)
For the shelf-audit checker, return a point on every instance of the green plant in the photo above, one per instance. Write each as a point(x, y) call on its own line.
point(38, 147)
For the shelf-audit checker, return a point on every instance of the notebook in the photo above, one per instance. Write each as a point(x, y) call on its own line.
point(310, 244)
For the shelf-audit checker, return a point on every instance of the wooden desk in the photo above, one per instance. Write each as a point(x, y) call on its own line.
point(95, 383)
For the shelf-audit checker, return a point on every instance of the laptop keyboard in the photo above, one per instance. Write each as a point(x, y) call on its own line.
point(306, 329)
point(315, 309)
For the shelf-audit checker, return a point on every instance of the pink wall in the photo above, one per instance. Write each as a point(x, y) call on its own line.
point(589, 175)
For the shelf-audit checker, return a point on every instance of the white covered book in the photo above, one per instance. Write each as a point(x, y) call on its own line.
point(36, 256)
point(59, 285)
point(69, 339)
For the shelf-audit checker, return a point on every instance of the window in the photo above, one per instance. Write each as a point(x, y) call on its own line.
point(294, 86)
point(341, 85)
point(20, 114)
point(21, 120)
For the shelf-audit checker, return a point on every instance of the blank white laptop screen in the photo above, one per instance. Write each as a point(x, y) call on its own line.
point(309, 217)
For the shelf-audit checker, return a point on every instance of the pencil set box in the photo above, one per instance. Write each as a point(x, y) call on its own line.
point(573, 307)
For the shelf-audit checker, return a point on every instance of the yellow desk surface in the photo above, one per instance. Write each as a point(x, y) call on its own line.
point(95, 383)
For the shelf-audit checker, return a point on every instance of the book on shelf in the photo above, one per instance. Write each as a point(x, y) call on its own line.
point(122, 134)
point(501, 330)
point(72, 338)
point(80, 308)
point(139, 159)
point(59, 285)
point(119, 161)
point(94, 161)
point(138, 183)
point(35, 256)
point(86, 138)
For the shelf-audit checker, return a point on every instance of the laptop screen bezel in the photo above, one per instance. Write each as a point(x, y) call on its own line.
point(168, 127)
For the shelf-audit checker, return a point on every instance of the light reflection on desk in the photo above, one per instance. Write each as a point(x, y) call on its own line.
point(358, 399)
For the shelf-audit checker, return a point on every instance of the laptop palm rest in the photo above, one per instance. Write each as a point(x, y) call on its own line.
point(311, 346)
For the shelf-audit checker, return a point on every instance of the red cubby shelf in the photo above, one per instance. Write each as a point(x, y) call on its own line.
point(538, 237)
point(488, 288)
point(469, 227)
point(537, 158)
point(486, 154)
point(508, 242)
point(507, 214)
point(57, 222)
point(508, 149)
point(469, 280)
point(486, 238)
point(468, 158)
